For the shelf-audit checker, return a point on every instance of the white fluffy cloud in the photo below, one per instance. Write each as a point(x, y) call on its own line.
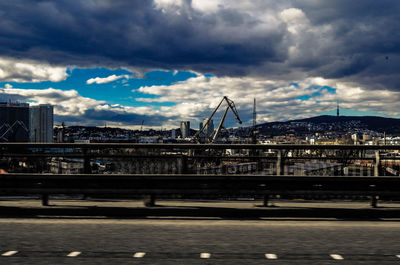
point(355, 97)
point(206, 5)
point(66, 103)
point(277, 100)
point(104, 80)
point(70, 106)
point(166, 3)
point(196, 97)
point(17, 70)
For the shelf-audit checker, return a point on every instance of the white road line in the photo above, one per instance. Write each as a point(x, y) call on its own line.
point(336, 256)
point(205, 255)
point(9, 253)
point(139, 254)
point(74, 254)
point(271, 256)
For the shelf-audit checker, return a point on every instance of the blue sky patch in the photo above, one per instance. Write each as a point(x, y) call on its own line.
point(122, 91)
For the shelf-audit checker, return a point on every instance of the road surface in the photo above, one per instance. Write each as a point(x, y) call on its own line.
point(187, 232)
point(177, 241)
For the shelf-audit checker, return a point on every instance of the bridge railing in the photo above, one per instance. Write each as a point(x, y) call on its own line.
point(223, 159)
point(230, 169)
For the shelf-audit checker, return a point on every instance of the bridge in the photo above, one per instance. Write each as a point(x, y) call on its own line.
point(200, 170)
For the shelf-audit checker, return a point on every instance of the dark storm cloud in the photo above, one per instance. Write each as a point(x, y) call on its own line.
point(126, 32)
point(125, 118)
point(92, 117)
point(355, 40)
point(365, 38)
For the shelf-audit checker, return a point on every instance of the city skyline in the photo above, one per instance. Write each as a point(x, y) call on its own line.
point(161, 62)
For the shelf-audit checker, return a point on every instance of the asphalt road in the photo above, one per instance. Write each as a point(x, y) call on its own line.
point(179, 241)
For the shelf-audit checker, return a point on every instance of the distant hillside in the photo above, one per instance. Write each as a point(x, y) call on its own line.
point(378, 124)
point(375, 123)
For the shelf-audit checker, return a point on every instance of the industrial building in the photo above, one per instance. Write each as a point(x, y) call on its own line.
point(41, 123)
point(14, 122)
point(66, 166)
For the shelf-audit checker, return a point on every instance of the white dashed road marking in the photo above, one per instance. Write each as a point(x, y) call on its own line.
point(205, 255)
point(9, 253)
point(74, 254)
point(336, 256)
point(271, 256)
point(139, 254)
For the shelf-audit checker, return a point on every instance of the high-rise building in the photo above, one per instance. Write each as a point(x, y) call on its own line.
point(201, 127)
point(209, 128)
point(185, 129)
point(41, 123)
point(14, 122)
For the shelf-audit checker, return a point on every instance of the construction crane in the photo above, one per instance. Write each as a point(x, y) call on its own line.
point(231, 105)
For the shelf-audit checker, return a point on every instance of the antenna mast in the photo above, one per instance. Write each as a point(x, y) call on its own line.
point(337, 109)
point(254, 136)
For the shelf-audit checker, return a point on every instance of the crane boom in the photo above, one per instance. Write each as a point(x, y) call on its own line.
point(233, 108)
point(231, 105)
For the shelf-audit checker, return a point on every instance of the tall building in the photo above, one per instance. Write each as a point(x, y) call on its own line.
point(201, 127)
point(14, 122)
point(209, 128)
point(41, 123)
point(185, 129)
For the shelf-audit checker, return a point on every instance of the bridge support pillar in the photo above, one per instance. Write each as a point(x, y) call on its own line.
point(377, 163)
point(184, 165)
point(45, 199)
point(279, 165)
point(87, 169)
point(374, 201)
point(149, 200)
point(266, 200)
point(374, 198)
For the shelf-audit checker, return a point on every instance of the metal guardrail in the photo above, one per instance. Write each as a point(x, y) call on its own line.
point(197, 146)
point(189, 184)
point(195, 184)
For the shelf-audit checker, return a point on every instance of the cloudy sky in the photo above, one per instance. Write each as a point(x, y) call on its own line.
point(163, 61)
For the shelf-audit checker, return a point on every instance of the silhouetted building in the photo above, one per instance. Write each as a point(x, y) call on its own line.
point(14, 122)
point(41, 123)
